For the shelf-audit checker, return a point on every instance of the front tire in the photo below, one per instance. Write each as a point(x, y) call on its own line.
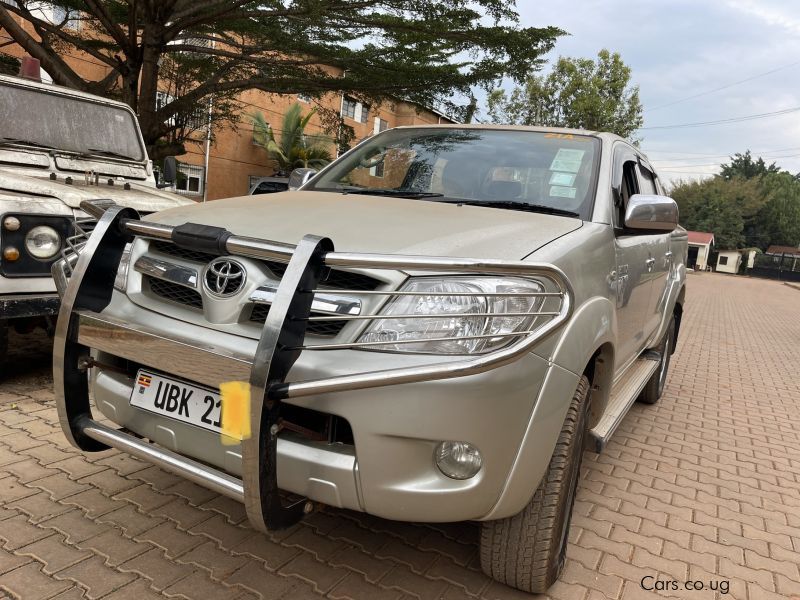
point(527, 551)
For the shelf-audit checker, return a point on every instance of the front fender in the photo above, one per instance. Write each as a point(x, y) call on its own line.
point(592, 326)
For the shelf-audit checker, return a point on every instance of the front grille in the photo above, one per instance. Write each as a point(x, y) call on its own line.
point(176, 293)
point(322, 328)
point(335, 279)
point(178, 252)
point(343, 280)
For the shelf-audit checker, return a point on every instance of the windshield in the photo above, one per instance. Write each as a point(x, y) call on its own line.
point(495, 167)
point(37, 118)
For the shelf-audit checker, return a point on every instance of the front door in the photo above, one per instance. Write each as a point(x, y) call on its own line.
point(635, 255)
point(659, 261)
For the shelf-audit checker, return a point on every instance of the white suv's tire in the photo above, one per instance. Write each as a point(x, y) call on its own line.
point(527, 551)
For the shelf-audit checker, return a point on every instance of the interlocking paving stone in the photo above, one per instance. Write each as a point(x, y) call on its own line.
point(705, 485)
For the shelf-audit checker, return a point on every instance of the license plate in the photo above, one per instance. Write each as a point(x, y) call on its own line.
point(177, 400)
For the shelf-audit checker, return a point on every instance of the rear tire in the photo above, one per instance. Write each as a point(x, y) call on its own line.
point(527, 551)
point(655, 386)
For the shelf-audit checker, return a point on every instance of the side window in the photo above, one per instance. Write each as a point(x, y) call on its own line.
point(647, 181)
point(629, 187)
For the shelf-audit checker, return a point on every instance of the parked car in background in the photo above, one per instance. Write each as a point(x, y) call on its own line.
point(433, 328)
point(269, 185)
point(58, 148)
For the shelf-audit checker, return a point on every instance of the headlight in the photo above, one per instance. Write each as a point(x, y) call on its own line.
point(456, 315)
point(43, 242)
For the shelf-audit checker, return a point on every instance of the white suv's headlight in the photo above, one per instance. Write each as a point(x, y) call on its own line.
point(456, 315)
point(43, 242)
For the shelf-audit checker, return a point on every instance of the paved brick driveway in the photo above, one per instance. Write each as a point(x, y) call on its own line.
point(704, 486)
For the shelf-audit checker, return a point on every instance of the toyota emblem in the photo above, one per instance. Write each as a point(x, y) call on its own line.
point(224, 277)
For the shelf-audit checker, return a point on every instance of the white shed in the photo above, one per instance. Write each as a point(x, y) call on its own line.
point(729, 261)
point(700, 244)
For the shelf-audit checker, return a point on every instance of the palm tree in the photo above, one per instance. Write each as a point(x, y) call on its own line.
point(294, 148)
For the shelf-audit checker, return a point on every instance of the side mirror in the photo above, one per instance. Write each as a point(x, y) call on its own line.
point(169, 173)
point(651, 213)
point(299, 177)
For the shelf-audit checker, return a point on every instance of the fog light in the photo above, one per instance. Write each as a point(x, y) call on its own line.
point(11, 223)
point(10, 253)
point(458, 460)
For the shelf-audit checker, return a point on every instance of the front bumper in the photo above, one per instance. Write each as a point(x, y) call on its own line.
point(389, 470)
point(17, 306)
point(399, 406)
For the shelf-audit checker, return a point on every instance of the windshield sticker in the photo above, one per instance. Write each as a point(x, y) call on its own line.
point(567, 159)
point(570, 154)
point(570, 166)
point(562, 192)
point(562, 179)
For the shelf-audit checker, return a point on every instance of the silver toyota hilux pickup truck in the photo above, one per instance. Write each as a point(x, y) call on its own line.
point(59, 147)
point(433, 328)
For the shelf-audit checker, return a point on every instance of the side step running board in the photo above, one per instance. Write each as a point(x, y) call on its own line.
point(623, 395)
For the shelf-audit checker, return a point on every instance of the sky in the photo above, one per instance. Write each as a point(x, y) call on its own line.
point(682, 48)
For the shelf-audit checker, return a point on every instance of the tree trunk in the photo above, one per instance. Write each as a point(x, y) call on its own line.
point(152, 46)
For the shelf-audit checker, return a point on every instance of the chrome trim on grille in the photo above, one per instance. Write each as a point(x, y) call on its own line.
point(161, 269)
point(323, 303)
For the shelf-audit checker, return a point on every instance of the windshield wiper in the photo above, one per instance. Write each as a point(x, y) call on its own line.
point(109, 153)
point(395, 193)
point(512, 205)
point(9, 141)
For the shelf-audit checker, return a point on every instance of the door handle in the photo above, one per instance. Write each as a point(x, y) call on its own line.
point(668, 254)
point(650, 262)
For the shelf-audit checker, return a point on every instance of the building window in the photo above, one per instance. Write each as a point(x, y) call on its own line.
point(723, 260)
point(190, 180)
point(380, 125)
point(349, 107)
point(355, 110)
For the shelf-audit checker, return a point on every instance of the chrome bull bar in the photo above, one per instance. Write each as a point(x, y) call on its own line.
point(282, 340)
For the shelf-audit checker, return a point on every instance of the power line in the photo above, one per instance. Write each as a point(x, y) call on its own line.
point(704, 155)
point(724, 87)
point(776, 113)
point(717, 164)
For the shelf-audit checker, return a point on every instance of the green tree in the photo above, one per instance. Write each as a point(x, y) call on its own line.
point(778, 221)
point(743, 165)
point(424, 51)
point(578, 92)
point(718, 206)
point(293, 148)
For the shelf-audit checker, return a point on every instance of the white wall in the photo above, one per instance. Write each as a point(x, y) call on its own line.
point(734, 260)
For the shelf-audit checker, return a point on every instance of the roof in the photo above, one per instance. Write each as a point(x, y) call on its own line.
point(791, 250)
point(700, 237)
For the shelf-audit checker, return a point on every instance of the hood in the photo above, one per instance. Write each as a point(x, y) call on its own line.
point(359, 223)
point(141, 197)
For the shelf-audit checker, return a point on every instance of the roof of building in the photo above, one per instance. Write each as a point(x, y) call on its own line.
point(790, 250)
point(700, 237)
